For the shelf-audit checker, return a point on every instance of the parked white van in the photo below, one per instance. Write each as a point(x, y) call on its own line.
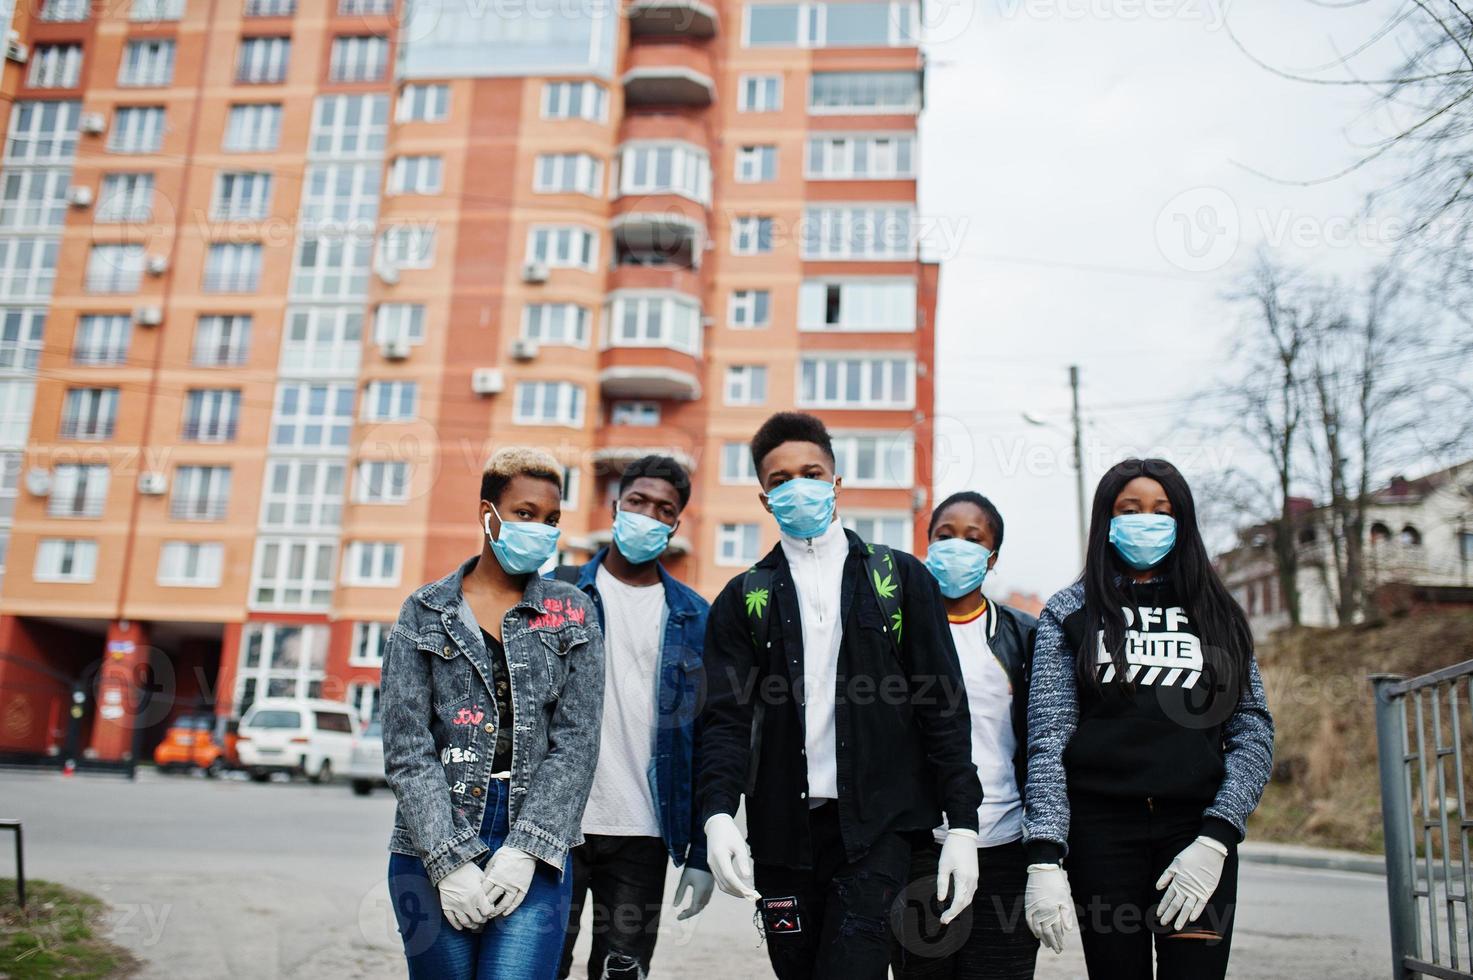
point(296, 735)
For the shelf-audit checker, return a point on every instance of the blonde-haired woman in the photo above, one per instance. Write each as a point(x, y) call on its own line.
point(492, 694)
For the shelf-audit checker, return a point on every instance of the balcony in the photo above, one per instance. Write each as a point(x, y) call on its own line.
point(668, 75)
point(649, 372)
point(672, 18)
point(613, 459)
point(658, 239)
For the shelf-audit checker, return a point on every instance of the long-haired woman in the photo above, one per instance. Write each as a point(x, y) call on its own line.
point(1149, 741)
point(492, 697)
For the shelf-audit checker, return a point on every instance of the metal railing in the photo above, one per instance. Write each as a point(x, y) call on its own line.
point(1423, 731)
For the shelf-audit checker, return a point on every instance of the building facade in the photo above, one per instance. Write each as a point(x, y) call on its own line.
point(276, 275)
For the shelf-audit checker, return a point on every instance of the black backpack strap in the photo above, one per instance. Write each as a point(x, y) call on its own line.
point(757, 600)
point(884, 579)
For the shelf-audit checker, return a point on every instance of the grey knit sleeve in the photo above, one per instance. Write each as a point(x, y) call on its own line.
point(1247, 759)
point(1053, 713)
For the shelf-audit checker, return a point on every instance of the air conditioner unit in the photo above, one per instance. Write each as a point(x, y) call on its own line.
point(387, 274)
point(94, 123)
point(38, 481)
point(148, 316)
point(487, 381)
point(524, 348)
point(152, 484)
point(158, 265)
point(79, 197)
point(534, 272)
point(15, 50)
point(395, 350)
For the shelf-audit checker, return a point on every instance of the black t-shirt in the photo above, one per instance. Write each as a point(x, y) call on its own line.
point(501, 681)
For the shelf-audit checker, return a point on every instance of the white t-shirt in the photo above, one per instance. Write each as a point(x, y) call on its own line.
point(990, 700)
point(817, 567)
point(621, 803)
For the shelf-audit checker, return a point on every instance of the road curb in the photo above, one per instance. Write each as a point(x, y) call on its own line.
point(1314, 858)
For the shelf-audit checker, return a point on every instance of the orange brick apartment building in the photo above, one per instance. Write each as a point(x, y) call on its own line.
point(275, 275)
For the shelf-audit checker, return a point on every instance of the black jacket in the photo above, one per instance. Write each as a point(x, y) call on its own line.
point(1010, 638)
point(903, 730)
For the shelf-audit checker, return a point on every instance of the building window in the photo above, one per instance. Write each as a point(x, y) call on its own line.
point(16, 397)
point(33, 198)
point(68, 11)
point(125, 198)
point(1465, 546)
point(391, 401)
point(363, 58)
point(831, 25)
point(382, 482)
point(364, 697)
point(102, 339)
point(857, 305)
point(322, 340)
point(749, 309)
point(863, 232)
point(407, 246)
point(280, 661)
point(568, 173)
point(191, 564)
point(312, 416)
point(233, 267)
point(746, 384)
point(147, 63)
point(292, 573)
point(372, 563)
point(877, 156)
point(892, 530)
point(415, 175)
point(654, 320)
point(639, 414)
point(332, 267)
point(262, 60)
point(211, 414)
point(65, 560)
point(21, 332)
point(43, 132)
point(756, 164)
point(864, 92)
point(253, 128)
point(736, 544)
point(89, 413)
point(423, 103)
point(114, 268)
point(368, 644)
point(27, 267)
point(563, 247)
point(838, 381)
point(349, 125)
point(156, 11)
point(548, 403)
point(556, 324)
point(570, 488)
point(77, 490)
point(200, 493)
point(737, 466)
point(137, 129)
point(270, 8)
point(760, 93)
point(242, 196)
point(302, 494)
point(885, 459)
point(665, 168)
point(221, 340)
point(334, 194)
point(55, 66)
point(751, 235)
point(399, 323)
point(574, 100)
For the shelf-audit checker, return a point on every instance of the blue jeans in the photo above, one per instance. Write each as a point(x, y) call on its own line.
point(526, 944)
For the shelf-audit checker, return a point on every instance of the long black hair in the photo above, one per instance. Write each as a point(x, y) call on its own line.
point(1187, 571)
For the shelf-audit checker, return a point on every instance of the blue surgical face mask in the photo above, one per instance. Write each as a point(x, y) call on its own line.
point(804, 508)
point(523, 546)
point(958, 564)
point(640, 538)
point(1143, 540)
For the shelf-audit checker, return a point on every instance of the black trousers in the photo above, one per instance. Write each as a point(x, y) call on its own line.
point(1118, 847)
point(626, 876)
point(990, 940)
point(831, 921)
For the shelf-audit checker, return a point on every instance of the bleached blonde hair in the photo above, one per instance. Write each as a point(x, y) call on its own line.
point(511, 461)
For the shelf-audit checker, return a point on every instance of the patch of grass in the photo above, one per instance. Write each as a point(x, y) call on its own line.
point(57, 934)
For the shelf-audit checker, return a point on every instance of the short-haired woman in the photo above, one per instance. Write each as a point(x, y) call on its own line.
point(492, 693)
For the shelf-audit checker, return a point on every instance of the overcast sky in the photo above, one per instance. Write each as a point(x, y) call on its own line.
point(1099, 158)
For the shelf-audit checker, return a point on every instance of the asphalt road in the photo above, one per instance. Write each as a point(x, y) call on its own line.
point(238, 879)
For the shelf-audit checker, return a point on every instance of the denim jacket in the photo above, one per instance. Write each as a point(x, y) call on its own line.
point(673, 768)
point(439, 721)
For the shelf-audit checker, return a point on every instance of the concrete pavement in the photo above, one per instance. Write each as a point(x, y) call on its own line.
point(238, 879)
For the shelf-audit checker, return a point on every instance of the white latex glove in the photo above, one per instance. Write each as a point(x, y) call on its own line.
point(1049, 905)
point(508, 876)
point(1189, 880)
point(730, 860)
point(461, 897)
point(956, 872)
point(700, 884)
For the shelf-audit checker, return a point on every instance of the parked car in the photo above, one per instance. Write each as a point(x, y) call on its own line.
point(367, 768)
point(296, 736)
point(189, 744)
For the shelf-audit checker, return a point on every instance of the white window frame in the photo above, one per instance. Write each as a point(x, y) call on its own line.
point(334, 420)
point(876, 390)
point(401, 322)
point(832, 156)
point(890, 457)
point(156, 11)
point(386, 400)
point(737, 544)
point(302, 494)
point(34, 197)
point(191, 564)
point(262, 60)
point(358, 58)
point(740, 383)
point(102, 339)
point(427, 102)
point(252, 127)
point(22, 335)
point(147, 63)
point(242, 195)
point(369, 636)
point(557, 324)
point(125, 197)
point(373, 564)
point(114, 267)
point(568, 173)
point(89, 414)
point(43, 131)
point(852, 294)
point(810, 25)
point(326, 207)
point(592, 102)
point(381, 481)
point(753, 93)
point(653, 318)
point(904, 541)
point(78, 490)
point(417, 173)
point(871, 232)
point(571, 484)
point(332, 267)
point(407, 246)
point(563, 246)
point(55, 66)
point(910, 107)
point(749, 309)
point(756, 163)
point(271, 566)
point(274, 675)
point(559, 403)
point(747, 234)
point(322, 340)
point(200, 493)
point(210, 415)
point(638, 413)
point(346, 126)
point(65, 560)
point(28, 267)
point(737, 468)
point(232, 267)
point(688, 169)
point(221, 340)
point(65, 11)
